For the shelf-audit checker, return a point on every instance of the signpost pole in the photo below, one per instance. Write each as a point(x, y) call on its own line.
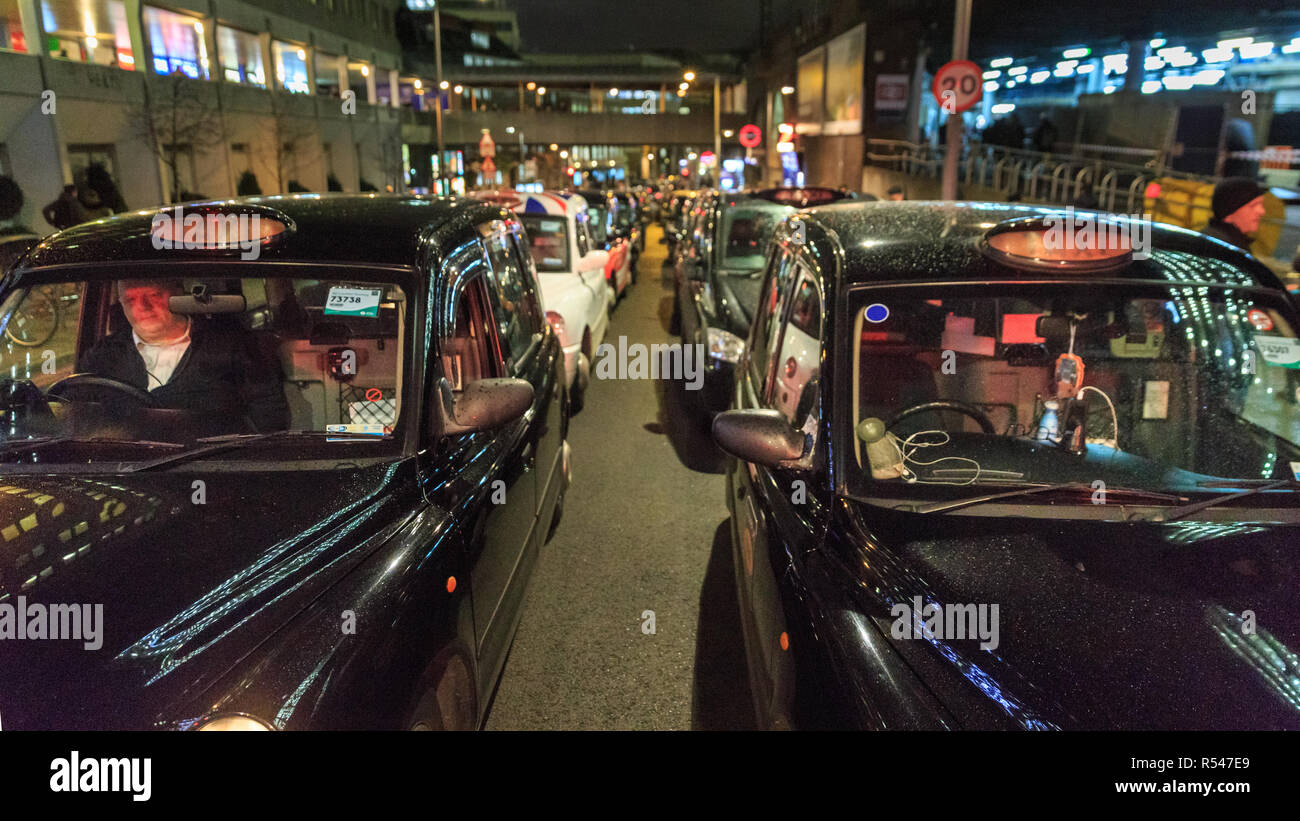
point(437, 109)
point(960, 41)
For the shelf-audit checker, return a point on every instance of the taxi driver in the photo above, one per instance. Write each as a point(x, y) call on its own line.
point(190, 364)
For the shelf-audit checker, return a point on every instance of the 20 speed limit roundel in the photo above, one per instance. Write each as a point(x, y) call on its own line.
point(958, 86)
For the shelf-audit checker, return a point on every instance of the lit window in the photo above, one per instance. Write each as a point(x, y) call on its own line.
point(290, 66)
point(176, 41)
point(327, 74)
point(241, 57)
point(85, 34)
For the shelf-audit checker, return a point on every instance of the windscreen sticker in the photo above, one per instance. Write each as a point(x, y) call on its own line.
point(353, 301)
point(368, 429)
point(1279, 350)
point(1260, 319)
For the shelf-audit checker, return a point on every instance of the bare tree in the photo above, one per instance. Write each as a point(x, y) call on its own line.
point(177, 114)
point(284, 143)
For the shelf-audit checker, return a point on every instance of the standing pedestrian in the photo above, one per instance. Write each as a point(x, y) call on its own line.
point(66, 211)
point(1238, 206)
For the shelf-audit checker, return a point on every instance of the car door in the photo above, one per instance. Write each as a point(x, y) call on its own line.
point(775, 508)
point(477, 346)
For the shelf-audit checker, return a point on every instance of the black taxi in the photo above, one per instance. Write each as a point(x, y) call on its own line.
point(281, 463)
point(1004, 467)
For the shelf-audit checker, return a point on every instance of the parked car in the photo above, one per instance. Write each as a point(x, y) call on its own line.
point(717, 286)
point(676, 215)
point(326, 514)
point(619, 270)
point(571, 269)
point(627, 224)
point(988, 478)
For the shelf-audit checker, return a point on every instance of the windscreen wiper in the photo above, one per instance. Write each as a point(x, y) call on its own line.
point(1175, 513)
point(956, 504)
point(26, 445)
point(235, 441)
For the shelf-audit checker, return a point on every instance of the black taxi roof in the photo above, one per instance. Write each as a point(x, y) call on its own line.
point(940, 241)
point(379, 229)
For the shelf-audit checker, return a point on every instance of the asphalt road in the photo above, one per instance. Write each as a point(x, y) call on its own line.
point(644, 529)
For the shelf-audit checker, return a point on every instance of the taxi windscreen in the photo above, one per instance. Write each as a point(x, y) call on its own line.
point(180, 360)
point(1165, 388)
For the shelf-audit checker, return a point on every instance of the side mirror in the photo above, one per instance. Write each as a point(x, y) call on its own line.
point(483, 405)
point(763, 437)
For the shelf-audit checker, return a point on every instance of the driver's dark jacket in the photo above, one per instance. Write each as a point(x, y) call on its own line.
point(222, 374)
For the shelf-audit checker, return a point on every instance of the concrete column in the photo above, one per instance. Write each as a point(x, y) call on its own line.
point(342, 65)
point(268, 63)
point(140, 51)
point(29, 12)
point(370, 84)
point(1137, 58)
point(394, 92)
point(311, 64)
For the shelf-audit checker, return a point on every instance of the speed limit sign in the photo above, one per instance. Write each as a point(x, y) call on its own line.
point(958, 86)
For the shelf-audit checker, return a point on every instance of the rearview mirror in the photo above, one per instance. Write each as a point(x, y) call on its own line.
point(763, 437)
point(483, 405)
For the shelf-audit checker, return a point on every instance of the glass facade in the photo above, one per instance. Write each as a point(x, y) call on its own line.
point(327, 74)
point(290, 66)
point(11, 27)
point(241, 57)
point(82, 33)
point(176, 41)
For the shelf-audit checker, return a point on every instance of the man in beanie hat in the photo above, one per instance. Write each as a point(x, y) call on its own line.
point(1238, 206)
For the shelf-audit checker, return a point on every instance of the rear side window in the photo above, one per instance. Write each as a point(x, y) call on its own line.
point(548, 240)
point(767, 321)
point(513, 298)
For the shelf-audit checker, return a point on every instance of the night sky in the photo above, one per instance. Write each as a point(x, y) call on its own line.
point(636, 25)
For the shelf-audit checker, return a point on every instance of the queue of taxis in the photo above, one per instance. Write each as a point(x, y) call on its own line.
point(300, 452)
point(988, 477)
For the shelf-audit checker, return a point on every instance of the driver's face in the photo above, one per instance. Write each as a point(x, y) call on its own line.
point(146, 309)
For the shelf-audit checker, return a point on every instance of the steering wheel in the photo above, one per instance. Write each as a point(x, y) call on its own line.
point(89, 380)
point(986, 425)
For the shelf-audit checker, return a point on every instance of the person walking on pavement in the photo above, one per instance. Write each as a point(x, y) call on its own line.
point(1238, 206)
point(66, 211)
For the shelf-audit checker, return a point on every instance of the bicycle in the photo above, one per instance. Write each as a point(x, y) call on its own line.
point(36, 320)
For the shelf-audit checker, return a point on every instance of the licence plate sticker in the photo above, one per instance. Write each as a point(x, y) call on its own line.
point(1279, 350)
point(353, 301)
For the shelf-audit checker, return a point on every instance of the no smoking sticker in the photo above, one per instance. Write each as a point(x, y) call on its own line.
point(1260, 319)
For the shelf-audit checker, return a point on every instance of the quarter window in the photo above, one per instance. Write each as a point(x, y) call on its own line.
point(514, 301)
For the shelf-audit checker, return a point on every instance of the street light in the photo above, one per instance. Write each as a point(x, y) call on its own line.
point(459, 88)
point(787, 89)
point(689, 76)
point(419, 86)
point(554, 146)
point(564, 155)
point(444, 85)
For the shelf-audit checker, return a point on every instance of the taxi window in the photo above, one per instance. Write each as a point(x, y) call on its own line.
point(513, 300)
point(582, 236)
point(771, 307)
point(793, 379)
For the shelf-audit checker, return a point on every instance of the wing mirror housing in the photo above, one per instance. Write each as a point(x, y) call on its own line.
point(485, 404)
point(761, 436)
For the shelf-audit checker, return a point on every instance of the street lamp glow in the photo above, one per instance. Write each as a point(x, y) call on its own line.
point(728, 133)
point(554, 146)
point(302, 54)
point(531, 86)
point(444, 85)
point(418, 85)
point(787, 89)
point(541, 90)
point(564, 154)
point(459, 88)
point(692, 155)
point(649, 156)
point(613, 92)
point(510, 129)
point(689, 76)
point(365, 71)
point(611, 163)
point(683, 86)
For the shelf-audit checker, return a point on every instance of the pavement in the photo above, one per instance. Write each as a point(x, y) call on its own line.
point(644, 543)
